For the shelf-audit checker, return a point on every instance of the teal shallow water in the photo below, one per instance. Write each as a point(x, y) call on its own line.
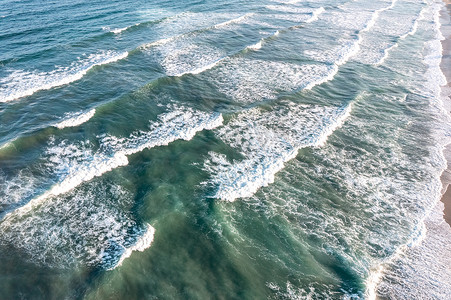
point(199, 150)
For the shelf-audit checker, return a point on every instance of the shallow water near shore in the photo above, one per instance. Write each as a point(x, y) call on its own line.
point(266, 149)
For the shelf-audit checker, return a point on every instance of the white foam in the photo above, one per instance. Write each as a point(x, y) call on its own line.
point(291, 292)
point(295, 14)
point(233, 21)
point(205, 68)
point(414, 27)
point(13, 190)
point(179, 57)
point(353, 48)
point(5, 145)
point(256, 46)
point(295, 18)
point(375, 16)
point(386, 54)
point(119, 30)
point(267, 140)
point(250, 80)
point(259, 44)
point(315, 15)
point(191, 28)
point(287, 1)
point(188, 58)
point(75, 119)
point(141, 244)
point(392, 27)
point(22, 83)
point(434, 80)
point(157, 43)
point(77, 163)
point(423, 271)
point(292, 9)
point(90, 226)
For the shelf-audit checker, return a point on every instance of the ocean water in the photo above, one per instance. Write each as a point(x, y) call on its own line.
point(222, 150)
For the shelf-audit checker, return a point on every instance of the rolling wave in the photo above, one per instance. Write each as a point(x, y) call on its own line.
point(77, 164)
point(267, 140)
point(25, 83)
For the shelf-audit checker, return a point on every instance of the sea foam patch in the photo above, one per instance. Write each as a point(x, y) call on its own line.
point(91, 226)
point(251, 80)
point(267, 140)
point(15, 189)
point(181, 57)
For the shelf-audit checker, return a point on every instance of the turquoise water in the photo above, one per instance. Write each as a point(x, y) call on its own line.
point(209, 149)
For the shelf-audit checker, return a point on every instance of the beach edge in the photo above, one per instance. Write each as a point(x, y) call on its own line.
point(445, 65)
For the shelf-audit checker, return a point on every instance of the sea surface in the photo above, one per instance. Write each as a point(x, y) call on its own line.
point(220, 149)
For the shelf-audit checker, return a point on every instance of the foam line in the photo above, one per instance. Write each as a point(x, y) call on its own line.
point(119, 30)
point(6, 144)
point(143, 243)
point(81, 165)
point(237, 20)
point(159, 42)
point(207, 67)
point(375, 16)
point(76, 119)
point(329, 75)
point(386, 54)
point(23, 83)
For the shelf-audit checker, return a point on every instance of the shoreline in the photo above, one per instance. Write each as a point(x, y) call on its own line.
point(445, 65)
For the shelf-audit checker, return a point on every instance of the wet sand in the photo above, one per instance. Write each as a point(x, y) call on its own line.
point(446, 67)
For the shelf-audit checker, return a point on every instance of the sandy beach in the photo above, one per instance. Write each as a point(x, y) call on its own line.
point(446, 67)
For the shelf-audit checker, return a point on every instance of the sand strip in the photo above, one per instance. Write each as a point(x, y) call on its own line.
point(446, 68)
